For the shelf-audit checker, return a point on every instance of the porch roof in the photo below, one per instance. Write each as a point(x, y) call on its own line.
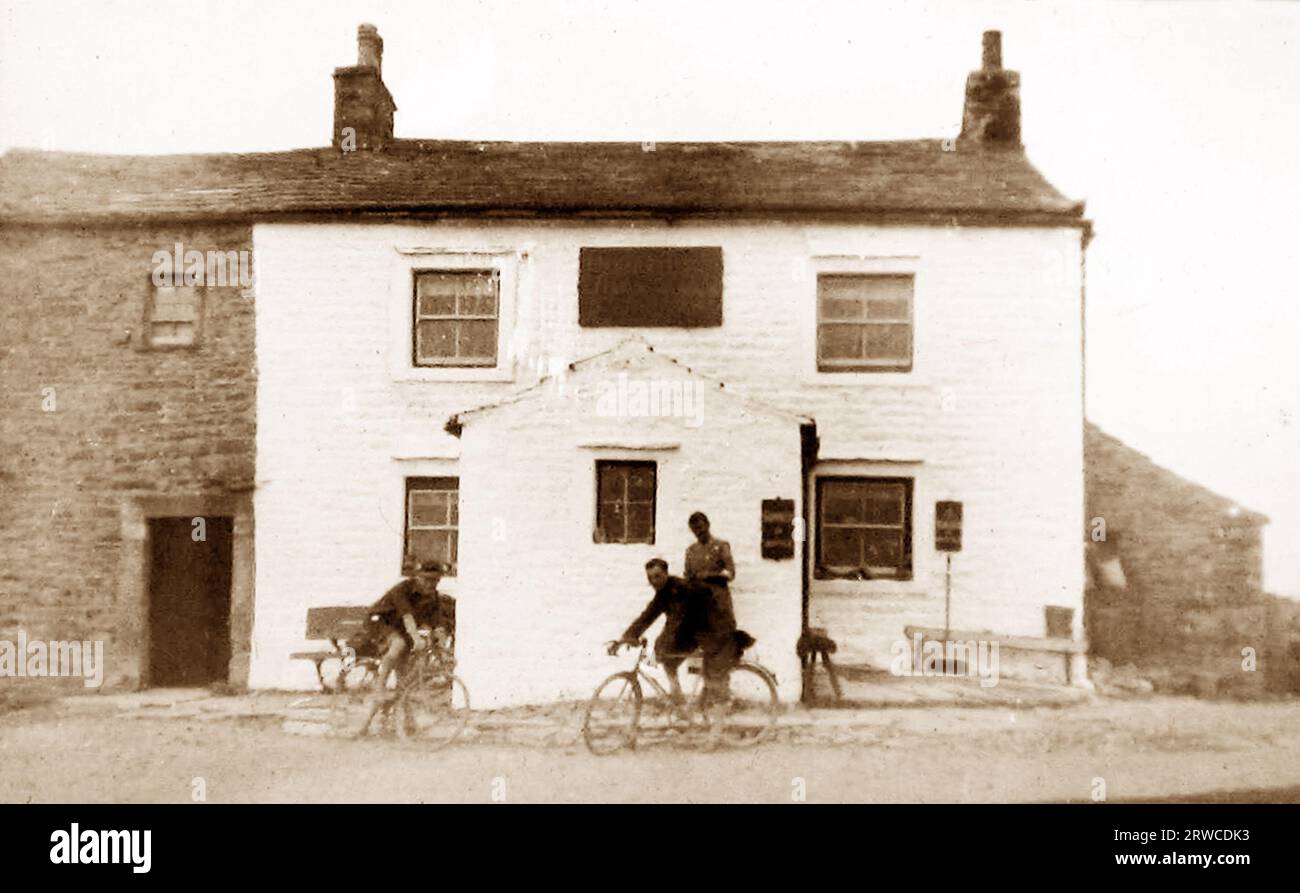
point(634, 350)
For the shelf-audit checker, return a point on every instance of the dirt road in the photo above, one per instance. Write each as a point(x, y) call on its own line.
point(1148, 749)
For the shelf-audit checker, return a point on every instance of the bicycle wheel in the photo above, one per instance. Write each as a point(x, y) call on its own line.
point(612, 715)
point(753, 707)
point(434, 712)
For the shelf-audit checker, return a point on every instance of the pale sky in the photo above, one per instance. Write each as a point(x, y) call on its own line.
point(1179, 123)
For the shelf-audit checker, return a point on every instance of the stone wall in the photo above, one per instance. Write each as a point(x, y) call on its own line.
point(1192, 598)
point(98, 433)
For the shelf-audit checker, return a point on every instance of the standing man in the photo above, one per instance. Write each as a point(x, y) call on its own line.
point(709, 562)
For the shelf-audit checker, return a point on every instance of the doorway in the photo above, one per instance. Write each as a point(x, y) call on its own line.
point(189, 601)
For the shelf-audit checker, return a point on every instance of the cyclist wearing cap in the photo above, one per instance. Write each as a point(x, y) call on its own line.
point(395, 620)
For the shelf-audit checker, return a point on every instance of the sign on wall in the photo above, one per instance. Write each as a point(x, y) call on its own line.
point(778, 528)
point(947, 526)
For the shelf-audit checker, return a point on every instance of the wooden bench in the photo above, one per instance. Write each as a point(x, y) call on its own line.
point(1068, 648)
point(336, 625)
point(340, 624)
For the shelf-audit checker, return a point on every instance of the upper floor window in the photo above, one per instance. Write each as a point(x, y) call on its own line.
point(864, 528)
point(864, 322)
point(432, 520)
point(457, 314)
point(173, 315)
point(650, 287)
point(625, 502)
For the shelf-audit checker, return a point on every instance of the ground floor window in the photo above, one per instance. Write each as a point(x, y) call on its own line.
point(864, 528)
point(432, 520)
point(625, 502)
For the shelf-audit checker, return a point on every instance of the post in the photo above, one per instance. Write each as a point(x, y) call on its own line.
point(947, 598)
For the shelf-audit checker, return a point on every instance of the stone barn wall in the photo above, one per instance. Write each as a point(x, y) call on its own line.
point(1192, 560)
point(97, 433)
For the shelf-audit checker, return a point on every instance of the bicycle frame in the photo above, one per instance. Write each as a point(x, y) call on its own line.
point(746, 719)
point(644, 659)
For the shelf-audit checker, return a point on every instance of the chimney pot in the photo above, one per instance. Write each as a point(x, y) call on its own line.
point(991, 116)
point(363, 107)
point(992, 50)
point(370, 47)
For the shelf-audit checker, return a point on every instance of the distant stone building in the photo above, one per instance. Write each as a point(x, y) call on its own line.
point(1176, 583)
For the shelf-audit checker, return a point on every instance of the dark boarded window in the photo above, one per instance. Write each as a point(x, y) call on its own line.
point(625, 502)
point(432, 521)
point(864, 528)
point(456, 316)
point(649, 287)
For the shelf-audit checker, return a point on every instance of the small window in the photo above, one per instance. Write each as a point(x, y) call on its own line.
point(864, 528)
point(432, 521)
point(172, 317)
point(650, 287)
point(625, 502)
point(864, 323)
point(457, 313)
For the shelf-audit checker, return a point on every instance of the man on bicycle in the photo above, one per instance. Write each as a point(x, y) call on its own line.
point(693, 619)
point(396, 619)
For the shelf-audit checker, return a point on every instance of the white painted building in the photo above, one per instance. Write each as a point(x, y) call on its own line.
point(487, 352)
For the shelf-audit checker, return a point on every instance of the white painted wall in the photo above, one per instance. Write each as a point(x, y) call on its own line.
point(341, 423)
point(540, 598)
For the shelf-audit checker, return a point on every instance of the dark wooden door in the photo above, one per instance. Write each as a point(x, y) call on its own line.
point(189, 602)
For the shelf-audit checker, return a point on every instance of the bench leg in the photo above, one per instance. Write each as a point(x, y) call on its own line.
point(835, 679)
point(1076, 671)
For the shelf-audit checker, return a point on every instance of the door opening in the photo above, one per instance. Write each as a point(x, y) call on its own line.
point(189, 601)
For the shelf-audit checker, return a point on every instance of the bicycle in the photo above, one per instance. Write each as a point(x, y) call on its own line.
point(613, 716)
point(430, 704)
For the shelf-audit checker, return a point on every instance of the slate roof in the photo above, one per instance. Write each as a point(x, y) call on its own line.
point(916, 179)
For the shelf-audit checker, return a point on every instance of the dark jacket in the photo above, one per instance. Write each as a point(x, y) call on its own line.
point(428, 610)
point(692, 618)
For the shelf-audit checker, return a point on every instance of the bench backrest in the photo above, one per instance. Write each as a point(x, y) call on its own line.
point(336, 622)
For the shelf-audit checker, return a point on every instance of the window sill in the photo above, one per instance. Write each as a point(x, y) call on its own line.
point(859, 379)
point(597, 541)
point(453, 373)
point(166, 348)
point(906, 589)
point(825, 577)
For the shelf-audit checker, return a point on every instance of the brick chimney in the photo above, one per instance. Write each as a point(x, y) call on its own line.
point(361, 101)
point(992, 113)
